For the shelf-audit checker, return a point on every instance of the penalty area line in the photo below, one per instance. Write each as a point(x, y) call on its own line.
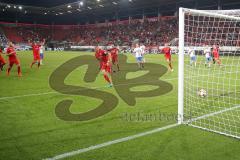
point(27, 95)
point(109, 143)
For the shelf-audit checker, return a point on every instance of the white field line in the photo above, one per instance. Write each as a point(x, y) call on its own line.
point(213, 114)
point(210, 115)
point(98, 146)
point(27, 95)
point(83, 150)
point(218, 132)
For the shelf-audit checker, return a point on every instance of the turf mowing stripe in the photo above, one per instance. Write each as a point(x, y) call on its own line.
point(77, 152)
point(46, 93)
point(98, 146)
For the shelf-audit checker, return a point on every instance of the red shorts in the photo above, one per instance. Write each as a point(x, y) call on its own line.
point(36, 57)
point(114, 59)
point(14, 61)
point(216, 56)
point(2, 60)
point(106, 67)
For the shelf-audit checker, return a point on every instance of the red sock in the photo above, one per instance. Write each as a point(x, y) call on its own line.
point(118, 67)
point(8, 71)
point(19, 70)
point(106, 78)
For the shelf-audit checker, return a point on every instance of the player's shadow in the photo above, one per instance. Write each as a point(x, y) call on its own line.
point(123, 85)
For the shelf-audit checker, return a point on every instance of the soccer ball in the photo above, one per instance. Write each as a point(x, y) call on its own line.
point(202, 93)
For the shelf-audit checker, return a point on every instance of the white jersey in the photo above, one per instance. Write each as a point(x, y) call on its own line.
point(143, 49)
point(41, 49)
point(207, 53)
point(138, 52)
point(191, 53)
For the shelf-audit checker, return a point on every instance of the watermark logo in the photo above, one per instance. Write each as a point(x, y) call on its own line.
point(122, 86)
point(153, 116)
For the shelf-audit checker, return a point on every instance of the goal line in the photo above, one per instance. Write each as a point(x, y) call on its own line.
point(188, 122)
point(109, 143)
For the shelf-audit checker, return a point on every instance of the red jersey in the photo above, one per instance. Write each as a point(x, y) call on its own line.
point(167, 52)
point(114, 55)
point(1, 52)
point(36, 49)
point(99, 54)
point(105, 58)
point(104, 62)
point(215, 52)
point(13, 56)
point(114, 52)
point(102, 56)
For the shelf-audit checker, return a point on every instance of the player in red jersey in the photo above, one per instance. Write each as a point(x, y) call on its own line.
point(12, 58)
point(215, 53)
point(105, 64)
point(114, 55)
point(167, 51)
point(2, 60)
point(36, 52)
point(98, 54)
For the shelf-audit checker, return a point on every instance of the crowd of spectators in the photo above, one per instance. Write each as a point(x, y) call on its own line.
point(201, 31)
point(150, 32)
point(2, 38)
point(147, 32)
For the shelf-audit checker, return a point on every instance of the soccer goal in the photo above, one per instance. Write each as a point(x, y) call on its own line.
point(209, 95)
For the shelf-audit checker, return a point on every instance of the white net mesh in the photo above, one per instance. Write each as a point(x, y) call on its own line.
point(212, 88)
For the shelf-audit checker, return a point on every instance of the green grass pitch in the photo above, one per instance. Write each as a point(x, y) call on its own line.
point(30, 129)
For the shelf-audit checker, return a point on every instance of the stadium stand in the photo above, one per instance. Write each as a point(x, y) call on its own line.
point(150, 31)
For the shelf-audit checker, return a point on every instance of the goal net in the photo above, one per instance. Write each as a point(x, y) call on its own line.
point(209, 76)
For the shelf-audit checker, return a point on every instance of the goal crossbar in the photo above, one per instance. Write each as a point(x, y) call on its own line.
point(210, 14)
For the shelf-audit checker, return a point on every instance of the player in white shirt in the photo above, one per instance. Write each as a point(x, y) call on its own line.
point(208, 57)
point(139, 56)
point(143, 52)
point(193, 57)
point(41, 54)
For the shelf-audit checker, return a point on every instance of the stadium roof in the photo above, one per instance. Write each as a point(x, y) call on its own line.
point(42, 3)
point(56, 3)
point(82, 11)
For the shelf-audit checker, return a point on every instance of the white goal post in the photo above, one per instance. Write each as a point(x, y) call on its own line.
point(214, 35)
